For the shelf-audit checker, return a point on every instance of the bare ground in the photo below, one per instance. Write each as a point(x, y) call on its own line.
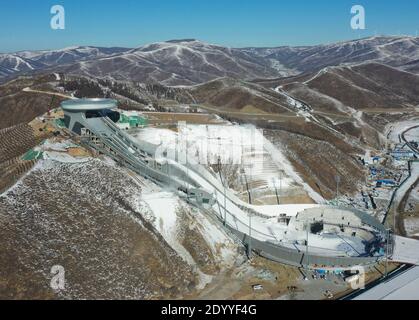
point(77, 216)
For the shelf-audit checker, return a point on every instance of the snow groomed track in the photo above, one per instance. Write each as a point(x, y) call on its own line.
point(286, 243)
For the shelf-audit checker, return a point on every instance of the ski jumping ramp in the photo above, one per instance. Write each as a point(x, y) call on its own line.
point(265, 236)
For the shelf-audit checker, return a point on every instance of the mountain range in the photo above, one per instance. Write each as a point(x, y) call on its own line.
point(337, 98)
point(190, 62)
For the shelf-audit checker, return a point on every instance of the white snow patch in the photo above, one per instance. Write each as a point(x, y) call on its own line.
point(406, 185)
point(233, 144)
point(412, 226)
point(64, 157)
point(394, 130)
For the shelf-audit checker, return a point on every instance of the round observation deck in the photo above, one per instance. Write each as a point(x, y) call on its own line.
point(88, 104)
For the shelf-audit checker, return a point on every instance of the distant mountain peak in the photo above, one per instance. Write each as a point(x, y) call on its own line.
point(181, 40)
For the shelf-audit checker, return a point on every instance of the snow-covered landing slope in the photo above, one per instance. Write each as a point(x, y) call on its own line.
point(236, 145)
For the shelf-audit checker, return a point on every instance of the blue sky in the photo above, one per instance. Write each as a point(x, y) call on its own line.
point(25, 24)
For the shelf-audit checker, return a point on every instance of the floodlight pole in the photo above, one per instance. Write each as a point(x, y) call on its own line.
point(276, 191)
point(249, 245)
point(224, 185)
point(387, 251)
point(280, 183)
point(225, 206)
point(394, 217)
point(187, 169)
point(337, 178)
point(247, 187)
point(308, 262)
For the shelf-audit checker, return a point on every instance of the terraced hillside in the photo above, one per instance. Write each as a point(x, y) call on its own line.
point(18, 106)
point(14, 143)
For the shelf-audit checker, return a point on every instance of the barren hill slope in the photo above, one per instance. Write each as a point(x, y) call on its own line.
point(18, 106)
point(393, 51)
point(237, 95)
point(96, 222)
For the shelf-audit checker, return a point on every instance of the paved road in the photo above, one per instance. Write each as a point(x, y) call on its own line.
point(409, 144)
point(252, 114)
point(48, 93)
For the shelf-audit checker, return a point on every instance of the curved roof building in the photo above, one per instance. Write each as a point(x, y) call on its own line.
point(88, 104)
point(84, 113)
